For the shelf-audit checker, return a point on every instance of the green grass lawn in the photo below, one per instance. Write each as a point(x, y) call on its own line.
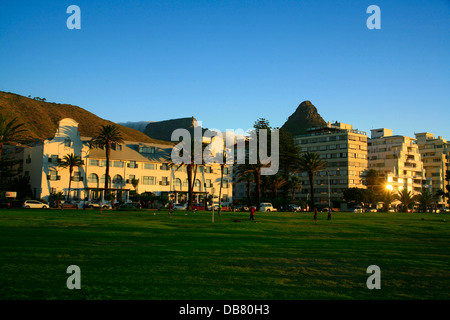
point(139, 255)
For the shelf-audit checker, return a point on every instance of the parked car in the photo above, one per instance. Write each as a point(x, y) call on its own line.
point(98, 204)
point(34, 204)
point(294, 208)
point(358, 209)
point(130, 206)
point(240, 207)
point(5, 204)
point(267, 207)
point(180, 206)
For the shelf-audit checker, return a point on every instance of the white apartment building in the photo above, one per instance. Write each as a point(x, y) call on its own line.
point(435, 154)
point(146, 162)
point(398, 159)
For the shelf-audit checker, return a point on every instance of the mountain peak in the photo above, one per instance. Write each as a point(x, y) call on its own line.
point(305, 116)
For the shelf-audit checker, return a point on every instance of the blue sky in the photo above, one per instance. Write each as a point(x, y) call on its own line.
point(228, 63)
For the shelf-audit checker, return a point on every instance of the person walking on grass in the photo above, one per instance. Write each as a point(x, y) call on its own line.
point(170, 209)
point(252, 213)
point(315, 214)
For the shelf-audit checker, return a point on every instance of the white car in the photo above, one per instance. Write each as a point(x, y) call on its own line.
point(358, 209)
point(34, 204)
point(267, 207)
point(180, 206)
point(96, 204)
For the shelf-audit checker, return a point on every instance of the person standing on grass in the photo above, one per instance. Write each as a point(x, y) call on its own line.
point(329, 213)
point(315, 214)
point(252, 213)
point(170, 209)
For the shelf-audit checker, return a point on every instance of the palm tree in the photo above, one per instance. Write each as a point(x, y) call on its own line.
point(255, 170)
point(277, 181)
point(70, 161)
point(191, 168)
point(310, 163)
point(406, 198)
point(223, 155)
point(294, 184)
point(105, 137)
point(9, 131)
point(425, 199)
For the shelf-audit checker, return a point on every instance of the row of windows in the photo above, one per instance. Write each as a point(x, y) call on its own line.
point(149, 166)
point(146, 180)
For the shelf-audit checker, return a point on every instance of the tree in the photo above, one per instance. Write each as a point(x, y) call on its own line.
point(310, 163)
point(289, 152)
point(223, 157)
point(425, 199)
point(105, 137)
point(372, 180)
point(191, 166)
point(135, 183)
point(10, 131)
point(248, 178)
point(294, 184)
point(70, 161)
point(277, 181)
point(406, 198)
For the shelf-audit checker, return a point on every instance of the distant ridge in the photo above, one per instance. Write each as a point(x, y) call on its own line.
point(305, 116)
point(162, 130)
point(41, 118)
point(138, 125)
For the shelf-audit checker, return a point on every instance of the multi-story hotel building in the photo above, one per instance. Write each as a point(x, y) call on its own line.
point(149, 163)
point(435, 154)
point(398, 160)
point(345, 151)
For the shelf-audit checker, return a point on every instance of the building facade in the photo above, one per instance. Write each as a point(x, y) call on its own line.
point(435, 154)
point(397, 159)
point(134, 166)
point(344, 149)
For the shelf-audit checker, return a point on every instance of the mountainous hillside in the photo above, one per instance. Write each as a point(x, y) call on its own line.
point(306, 116)
point(41, 118)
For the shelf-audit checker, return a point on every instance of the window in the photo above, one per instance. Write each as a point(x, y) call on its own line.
point(77, 176)
point(93, 162)
point(164, 166)
point(164, 181)
point(117, 179)
point(225, 183)
point(53, 176)
point(67, 142)
point(116, 146)
point(226, 170)
point(208, 183)
point(103, 179)
point(103, 163)
point(177, 183)
point(118, 164)
point(132, 164)
point(186, 183)
point(197, 183)
point(93, 178)
point(54, 158)
point(208, 170)
point(148, 180)
point(150, 166)
point(143, 149)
